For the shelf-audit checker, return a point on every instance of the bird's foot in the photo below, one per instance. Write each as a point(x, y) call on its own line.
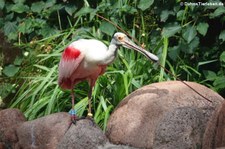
point(90, 117)
point(73, 115)
point(74, 121)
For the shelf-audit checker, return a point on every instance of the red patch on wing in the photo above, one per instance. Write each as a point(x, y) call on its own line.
point(70, 53)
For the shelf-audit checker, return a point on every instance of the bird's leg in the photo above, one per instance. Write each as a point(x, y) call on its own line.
point(90, 115)
point(89, 102)
point(72, 111)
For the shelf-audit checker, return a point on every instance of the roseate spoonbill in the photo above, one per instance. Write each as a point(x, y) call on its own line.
point(86, 59)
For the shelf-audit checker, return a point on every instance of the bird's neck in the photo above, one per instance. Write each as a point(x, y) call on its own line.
point(110, 54)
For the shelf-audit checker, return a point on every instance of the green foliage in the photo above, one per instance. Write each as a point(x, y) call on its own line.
point(145, 4)
point(186, 38)
point(222, 35)
point(10, 70)
point(202, 28)
point(107, 28)
point(170, 30)
point(5, 89)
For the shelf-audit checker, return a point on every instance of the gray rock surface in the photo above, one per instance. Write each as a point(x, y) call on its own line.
point(182, 128)
point(43, 133)
point(109, 145)
point(83, 135)
point(214, 136)
point(144, 116)
point(50, 132)
point(10, 120)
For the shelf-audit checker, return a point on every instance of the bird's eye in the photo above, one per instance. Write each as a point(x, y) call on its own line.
point(120, 38)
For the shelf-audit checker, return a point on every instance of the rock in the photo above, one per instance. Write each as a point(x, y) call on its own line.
point(43, 133)
point(10, 120)
point(214, 136)
point(84, 135)
point(144, 117)
point(220, 129)
point(109, 145)
point(180, 128)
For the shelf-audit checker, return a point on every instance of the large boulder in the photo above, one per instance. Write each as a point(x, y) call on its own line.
point(10, 120)
point(163, 115)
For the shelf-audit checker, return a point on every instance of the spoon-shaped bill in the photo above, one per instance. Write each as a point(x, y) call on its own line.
point(130, 45)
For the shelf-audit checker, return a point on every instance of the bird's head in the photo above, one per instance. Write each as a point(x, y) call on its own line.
point(121, 39)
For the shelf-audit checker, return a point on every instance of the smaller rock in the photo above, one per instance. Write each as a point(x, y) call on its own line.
point(10, 120)
point(83, 135)
point(43, 133)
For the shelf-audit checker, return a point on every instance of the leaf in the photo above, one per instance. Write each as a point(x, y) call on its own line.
point(38, 22)
point(50, 3)
point(222, 35)
point(47, 31)
point(189, 34)
point(128, 9)
point(107, 28)
point(165, 14)
point(210, 75)
point(18, 60)
point(2, 4)
point(202, 28)
point(84, 11)
point(26, 26)
point(9, 17)
point(219, 11)
point(10, 70)
point(207, 62)
point(70, 9)
point(170, 30)
point(20, 8)
point(180, 15)
point(174, 52)
point(222, 57)
point(145, 4)
point(19, 1)
point(193, 45)
point(5, 89)
point(12, 36)
point(219, 83)
point(10, 27)
point(37, 6)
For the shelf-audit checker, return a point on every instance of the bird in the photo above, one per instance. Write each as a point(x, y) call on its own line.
point(87, 59)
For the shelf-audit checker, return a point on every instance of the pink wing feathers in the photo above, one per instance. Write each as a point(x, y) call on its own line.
point(70, 60)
